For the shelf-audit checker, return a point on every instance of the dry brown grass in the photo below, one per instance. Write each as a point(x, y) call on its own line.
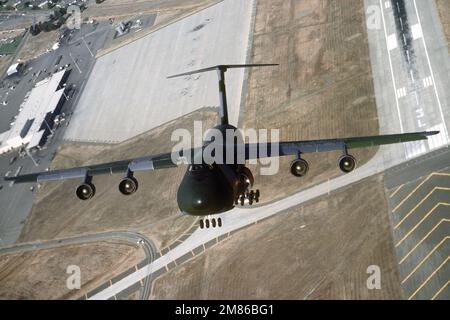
point(152, 210)
point(42, 274)
point(37, 45)
point(317, 251)
point(119, 8)
point(322, 89)
point(444, 13)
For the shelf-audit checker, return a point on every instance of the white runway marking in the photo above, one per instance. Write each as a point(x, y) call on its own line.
point(437, 141)
point(427, 82)
point(416, 31)
point(401, 92)
point(392, 42)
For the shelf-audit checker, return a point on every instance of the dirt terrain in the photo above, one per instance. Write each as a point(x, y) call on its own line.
point(117, 8)
point(43, 274)
point(37, 45)
point(317, 251)
point(322, 89)
point(444, 13)
point(152, 210)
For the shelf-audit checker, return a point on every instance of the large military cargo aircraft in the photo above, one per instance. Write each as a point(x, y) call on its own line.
point(210, 188)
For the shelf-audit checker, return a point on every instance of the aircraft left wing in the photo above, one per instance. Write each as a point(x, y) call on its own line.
point(253, 151)
point(156, 162)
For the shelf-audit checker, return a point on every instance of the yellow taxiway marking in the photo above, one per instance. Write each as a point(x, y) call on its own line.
point(417, 188)
point(420, 202)
point(426, 257)
point(423, 239)
point(428, 279)
point(440, 290)
point(421, 221)
point(396, 191)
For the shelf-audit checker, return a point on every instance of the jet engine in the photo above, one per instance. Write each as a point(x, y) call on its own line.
point(128, 185)
point(347, 163)
point(85, 191)
point(299, 167)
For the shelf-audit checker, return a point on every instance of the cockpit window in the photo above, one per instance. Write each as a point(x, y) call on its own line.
point(195, 167)
point(198, 167)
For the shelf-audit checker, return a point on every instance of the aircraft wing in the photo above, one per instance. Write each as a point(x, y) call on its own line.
point(161, 161)
point(254, 151)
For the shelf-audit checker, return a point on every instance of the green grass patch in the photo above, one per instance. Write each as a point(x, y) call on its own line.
point(10, 45)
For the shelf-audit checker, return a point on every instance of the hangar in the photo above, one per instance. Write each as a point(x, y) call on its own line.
point(33, 123)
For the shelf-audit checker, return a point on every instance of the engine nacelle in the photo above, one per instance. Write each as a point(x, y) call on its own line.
point(128, 186)
point(347, 163)
point(85, 191)
point(299, 167)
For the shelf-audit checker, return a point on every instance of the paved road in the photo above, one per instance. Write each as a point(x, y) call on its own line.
point(391, 120)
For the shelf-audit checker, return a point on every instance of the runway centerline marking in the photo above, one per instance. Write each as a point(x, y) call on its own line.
point(424, 259)
point(428, 279)
point(423, 239)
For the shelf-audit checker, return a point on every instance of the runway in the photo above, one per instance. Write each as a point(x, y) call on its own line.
point(410, 66)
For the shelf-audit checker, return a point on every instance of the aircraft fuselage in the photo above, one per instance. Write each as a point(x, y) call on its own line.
point(212, 189)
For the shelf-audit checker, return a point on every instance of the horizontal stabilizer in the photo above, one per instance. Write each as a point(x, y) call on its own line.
point(223, 68)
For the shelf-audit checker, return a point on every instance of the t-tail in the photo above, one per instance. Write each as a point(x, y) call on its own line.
point(221, 69)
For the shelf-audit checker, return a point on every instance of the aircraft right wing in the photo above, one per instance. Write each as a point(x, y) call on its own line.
point(254, 151)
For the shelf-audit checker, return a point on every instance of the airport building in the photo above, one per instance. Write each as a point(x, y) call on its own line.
point(37, 113)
